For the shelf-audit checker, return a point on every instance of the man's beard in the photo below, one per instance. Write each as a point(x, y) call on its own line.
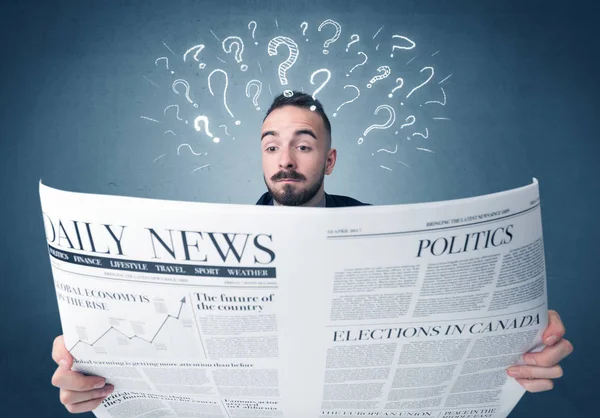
point(291, 195)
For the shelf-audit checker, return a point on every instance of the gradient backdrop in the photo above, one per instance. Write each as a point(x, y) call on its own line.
point(85, 106)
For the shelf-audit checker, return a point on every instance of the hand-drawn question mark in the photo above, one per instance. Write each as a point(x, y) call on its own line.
point(225, 128)
point(190, 148)
point(312, 80)
point(437, 101)
point(166, 60)
point(198, 49)
point(386, 125)
point(335, 37)
point(253, 29)
point(401, 80)
point(258, 85)
point(349, 101)
point(287, 64)
point(353, 39)
point(425, 82)
point(388, 151)
point(198, 128)
point(383, 69)
point(176, 109)
point(412, 44)
point(237, 122)
point(229, 42)
point(187, 89)
point(425, 135)
point(358, 65)
point(304, 26)
point(412, 122)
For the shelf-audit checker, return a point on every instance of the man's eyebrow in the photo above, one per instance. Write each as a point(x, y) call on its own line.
point(307, 132)
point(274, 133)
point(297, 133)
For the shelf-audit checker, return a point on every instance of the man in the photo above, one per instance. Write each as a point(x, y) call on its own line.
point(296, 155)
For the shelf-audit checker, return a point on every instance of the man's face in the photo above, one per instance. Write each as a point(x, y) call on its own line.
point(295, 155)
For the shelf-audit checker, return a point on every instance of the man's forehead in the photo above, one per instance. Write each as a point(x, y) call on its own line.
point(292, 117)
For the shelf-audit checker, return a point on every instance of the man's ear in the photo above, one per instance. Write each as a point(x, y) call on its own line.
point(330, 163)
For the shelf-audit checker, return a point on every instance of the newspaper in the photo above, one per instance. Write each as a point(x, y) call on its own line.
point(214, 310)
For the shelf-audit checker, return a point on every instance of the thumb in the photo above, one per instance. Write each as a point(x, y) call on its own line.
point(60, 354)
point(555, 329)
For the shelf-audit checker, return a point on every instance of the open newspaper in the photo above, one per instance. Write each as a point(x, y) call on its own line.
point(222, 311)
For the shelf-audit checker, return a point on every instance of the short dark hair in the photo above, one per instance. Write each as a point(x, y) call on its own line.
point(299, 99)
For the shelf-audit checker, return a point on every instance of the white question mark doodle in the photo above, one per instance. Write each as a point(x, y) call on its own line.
point(412, 44)
point(225, 127)
point(422, 84)
point(187, 89)
point(206, 130)
point(177, 110)
point(358, 65)
point(437, 101)
point(383, 69)
point(386, 125)
point(237, 122)
point(166, 60)
point(335, 37)
point(399, 79)
point(190, 148)
point(312, 80)
point(353, 39)
point(425, 135)
point(258, 85)
point(198, 49)
point(349, 101)
point(253, 29)
point(412, 121)
point(304, 26)
point(388, 151)
point(287, 64)
point(239, 44)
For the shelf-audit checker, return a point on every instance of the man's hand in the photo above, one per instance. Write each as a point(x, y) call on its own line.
point(543, 366)
point(78, 393)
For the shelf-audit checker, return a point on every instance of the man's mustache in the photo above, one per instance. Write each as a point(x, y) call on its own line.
point(291, 175)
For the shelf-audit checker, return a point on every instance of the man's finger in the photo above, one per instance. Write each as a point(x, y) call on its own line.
point(550, 355)
point(70, 380)
point(535, 372)
point(87, 406)
point(536, 385)
point(555, 329)
point(60, 354)
point(69, 397)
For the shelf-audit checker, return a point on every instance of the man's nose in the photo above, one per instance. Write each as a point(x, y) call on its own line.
point(286, 159)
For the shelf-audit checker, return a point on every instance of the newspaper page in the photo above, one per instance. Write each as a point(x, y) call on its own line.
point(173, 302)
point(213, 310)
point(420, 309)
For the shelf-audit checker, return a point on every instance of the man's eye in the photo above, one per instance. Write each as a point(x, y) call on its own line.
point(270, 149)
point(304, 148)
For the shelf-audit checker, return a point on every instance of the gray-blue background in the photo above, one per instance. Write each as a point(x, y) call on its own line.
point(521, 102)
